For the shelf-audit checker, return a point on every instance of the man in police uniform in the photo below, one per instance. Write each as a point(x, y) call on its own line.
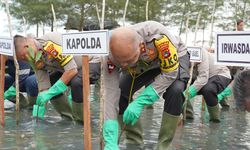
point(144, 52)
point(209, 80)
point(56, 69)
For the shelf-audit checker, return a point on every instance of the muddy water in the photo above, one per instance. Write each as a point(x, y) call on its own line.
point(57, 133)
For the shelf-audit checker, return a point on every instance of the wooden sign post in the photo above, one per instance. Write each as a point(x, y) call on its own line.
point(2, 77)
point(86, 105)
point(86, 43)
point(6, 48)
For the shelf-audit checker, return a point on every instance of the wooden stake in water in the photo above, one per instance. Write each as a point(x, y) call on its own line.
point(102, 82)
point(2, 78)
point(190, 73)
point(16, 65)
point(86, 105)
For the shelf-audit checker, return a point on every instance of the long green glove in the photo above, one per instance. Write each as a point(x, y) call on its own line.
point(11, 92)
point(110, 135)
point(44, 97)
point(56, 89)
point(226, 92)
point(134, 109)
point(192, 92)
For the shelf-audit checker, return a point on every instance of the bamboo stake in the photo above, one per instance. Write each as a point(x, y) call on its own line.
point(102, 85)
point(125, 11)
point(2, 79)
point(191, 70)
point(98, 15)
point(101, 104)
point(103, 12)
point(147, 11)
point(196, 26)
point(210, 44)
point(190, 74)
point(25, 26)
point(54, 16)
point(236, 9)
point(186, 28)
point(212, 26)
point(16, 65)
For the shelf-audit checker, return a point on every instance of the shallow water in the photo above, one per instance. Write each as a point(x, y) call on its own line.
point(56, 133)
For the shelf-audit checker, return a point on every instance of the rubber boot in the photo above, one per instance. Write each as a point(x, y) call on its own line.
point(62, 106)
point(149, 106)
point(77, 111)
point(214, 113)
point(133, 133)
point(32, 101)
point(23, 101)
point(189, 110)
point(224, 103)
point(97, 91)
point(222, 97)
point(167, 131)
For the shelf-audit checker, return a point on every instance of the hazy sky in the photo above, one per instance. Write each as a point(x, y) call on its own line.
point(5, 32)
point(3, 24)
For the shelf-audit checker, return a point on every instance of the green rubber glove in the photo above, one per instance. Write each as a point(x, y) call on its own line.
point(192, 92)
point(56, 89)
point(226, 92)
point(38, 111)
point(11, 92)
point(110, 135)
point(134, 109)
point(70, 99)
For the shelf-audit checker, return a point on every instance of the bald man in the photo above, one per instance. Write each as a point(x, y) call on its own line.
point(143, 54)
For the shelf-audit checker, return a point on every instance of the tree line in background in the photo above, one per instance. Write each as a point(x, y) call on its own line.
point(76, 14)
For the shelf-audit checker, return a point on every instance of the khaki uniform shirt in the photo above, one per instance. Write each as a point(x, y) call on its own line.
point(207, 69)
point(52, 60)
point(160, 49)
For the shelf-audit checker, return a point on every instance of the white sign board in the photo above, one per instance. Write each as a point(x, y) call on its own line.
point(6, 46)
point(195, 54)
point(86, 43)
point(233, 48)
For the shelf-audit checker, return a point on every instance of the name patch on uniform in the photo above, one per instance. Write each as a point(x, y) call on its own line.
point(167, 54)
point(55, 51)
point(142, 48)
point(111, 66)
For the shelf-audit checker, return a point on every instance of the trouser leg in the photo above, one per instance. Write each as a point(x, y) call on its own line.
point(133, 133)
point(8, 82)
point(171, 116)
point(210, 91)
point(60, 102)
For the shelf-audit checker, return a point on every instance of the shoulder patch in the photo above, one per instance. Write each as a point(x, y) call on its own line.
point(167, 54)
point(55, 51)
point(110, 66)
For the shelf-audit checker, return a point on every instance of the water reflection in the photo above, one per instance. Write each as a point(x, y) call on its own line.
point(59, 133)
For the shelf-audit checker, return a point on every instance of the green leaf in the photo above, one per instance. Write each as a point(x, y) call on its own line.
point(31, 53)
point(30, 61)
point(38, 55)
